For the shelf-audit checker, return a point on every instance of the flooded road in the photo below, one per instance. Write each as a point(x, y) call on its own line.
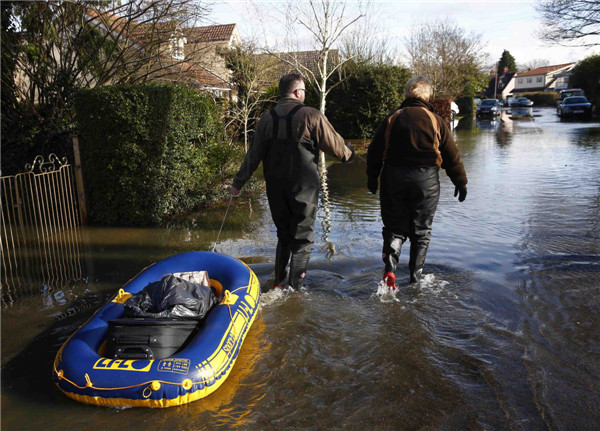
point(502, 333)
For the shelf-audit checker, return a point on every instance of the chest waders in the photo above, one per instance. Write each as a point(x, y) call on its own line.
point(292, 177)
point(409, 199)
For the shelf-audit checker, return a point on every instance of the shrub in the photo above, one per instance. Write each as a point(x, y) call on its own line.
point(541, 98)
point(149, 152)
point(585, 75)
point(370, 92)
point(466, 106)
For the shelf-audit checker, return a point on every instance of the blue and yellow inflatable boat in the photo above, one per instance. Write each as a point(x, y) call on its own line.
point(84, 374)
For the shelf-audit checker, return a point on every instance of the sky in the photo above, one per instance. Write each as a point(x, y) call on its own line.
point(503, 25)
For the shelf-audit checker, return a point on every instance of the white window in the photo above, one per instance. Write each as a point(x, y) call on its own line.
point(520, 80)
point(529, 80)
point(177, 46)
point(539, 79)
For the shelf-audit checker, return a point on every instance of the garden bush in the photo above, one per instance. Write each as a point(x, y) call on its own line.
point(150, 152)
point(541, 98)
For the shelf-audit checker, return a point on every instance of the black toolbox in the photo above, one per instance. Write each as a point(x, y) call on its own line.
point(147, 338)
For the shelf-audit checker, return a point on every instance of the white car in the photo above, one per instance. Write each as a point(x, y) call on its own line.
point(455, 110)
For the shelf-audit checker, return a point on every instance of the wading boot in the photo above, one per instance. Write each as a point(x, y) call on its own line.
point(298, 267)
point(392, 246)
point(282, 257)
point(416, 262)
point(390, 280)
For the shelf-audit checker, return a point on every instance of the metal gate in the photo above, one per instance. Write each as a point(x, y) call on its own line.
point(41, 229)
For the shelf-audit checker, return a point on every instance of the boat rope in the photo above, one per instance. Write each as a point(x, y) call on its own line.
point(222, 223)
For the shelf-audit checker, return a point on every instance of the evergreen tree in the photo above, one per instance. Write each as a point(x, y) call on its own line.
point(585, 76)
point(507, 60)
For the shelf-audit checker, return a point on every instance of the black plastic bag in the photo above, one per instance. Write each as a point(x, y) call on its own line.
point(171, 297)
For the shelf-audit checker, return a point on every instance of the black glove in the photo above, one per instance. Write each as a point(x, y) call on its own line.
point(461, 191)
point(372, 185)
point(351, 148)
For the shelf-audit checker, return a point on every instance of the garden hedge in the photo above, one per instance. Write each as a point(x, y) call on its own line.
point(542, 98)
point(149, 152)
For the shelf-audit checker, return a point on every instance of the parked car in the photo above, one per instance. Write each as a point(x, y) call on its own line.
point(574, 106)
point(522, 102)
point(488, 107)
point(569, 92)
point(454, 109)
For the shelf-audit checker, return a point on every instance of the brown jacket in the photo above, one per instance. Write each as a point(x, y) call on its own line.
point(416, 138)
point(308, 125)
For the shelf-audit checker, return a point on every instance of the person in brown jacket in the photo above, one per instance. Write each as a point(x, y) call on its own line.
point(287, 140)
point(408, 149)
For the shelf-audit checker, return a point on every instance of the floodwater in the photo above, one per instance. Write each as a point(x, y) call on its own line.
point(503, 333)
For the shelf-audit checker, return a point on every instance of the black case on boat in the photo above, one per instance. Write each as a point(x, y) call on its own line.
point(147, 338)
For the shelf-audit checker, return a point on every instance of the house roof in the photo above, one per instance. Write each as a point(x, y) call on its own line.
point(210, 34)
point(545, 70)
point(528, 90)
point(285, 62)
point(202, 76)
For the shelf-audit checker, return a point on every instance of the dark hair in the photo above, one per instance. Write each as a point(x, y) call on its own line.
point(287, 83)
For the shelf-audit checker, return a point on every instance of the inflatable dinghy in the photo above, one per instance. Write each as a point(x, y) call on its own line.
point(85, 372)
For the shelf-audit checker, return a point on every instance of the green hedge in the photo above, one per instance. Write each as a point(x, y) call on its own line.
point(466, 106)
point(541, 98)
point(149, 152)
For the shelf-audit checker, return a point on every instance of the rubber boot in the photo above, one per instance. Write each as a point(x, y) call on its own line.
point(392, 247)
point(298, 267)
point(390, 280)
point(282, 257)
point(416, 262)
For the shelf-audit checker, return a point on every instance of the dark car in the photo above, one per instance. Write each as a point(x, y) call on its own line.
point(489, 108)
point(569, 92)
point(574, 106)
point(523, 102)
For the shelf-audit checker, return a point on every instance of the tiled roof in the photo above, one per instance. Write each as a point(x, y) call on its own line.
point(309, 59)
point(545, 70)
point(212, 33)
point(528, 90)
point(202, 76)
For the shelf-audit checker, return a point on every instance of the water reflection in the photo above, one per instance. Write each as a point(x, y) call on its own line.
point(521, 113)
point(501, 334)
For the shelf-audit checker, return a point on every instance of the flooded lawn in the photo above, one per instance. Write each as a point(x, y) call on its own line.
point(502, 333)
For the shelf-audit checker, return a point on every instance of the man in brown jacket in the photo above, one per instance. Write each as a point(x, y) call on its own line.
point(408, 149)
point(287, 140)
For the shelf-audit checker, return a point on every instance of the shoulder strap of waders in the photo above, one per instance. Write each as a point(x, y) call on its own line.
point(287, 117)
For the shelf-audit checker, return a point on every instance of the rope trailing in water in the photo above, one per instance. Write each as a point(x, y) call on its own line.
point(222, 223)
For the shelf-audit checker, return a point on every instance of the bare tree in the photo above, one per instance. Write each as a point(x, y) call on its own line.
point(443, 52)
point(316, 56)
point(367, 42)
point(325, 21)
point(570, 22)
point(533, 64)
